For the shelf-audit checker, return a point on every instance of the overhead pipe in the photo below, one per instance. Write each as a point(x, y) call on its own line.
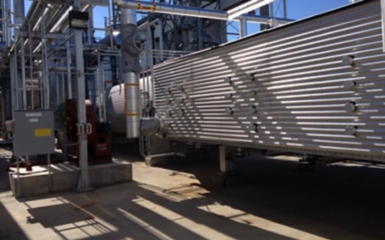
point(192, 11)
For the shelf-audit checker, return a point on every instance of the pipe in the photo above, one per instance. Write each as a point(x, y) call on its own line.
point(150, 126)
point(190, 11)
point(69, 76)
point(130, 69)
point(243, 27)
point(22, 63)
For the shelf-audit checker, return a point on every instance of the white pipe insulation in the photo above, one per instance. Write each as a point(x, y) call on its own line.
point(192, 11)
point(130, 68)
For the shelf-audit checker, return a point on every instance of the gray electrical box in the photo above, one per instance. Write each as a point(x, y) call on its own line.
point(33, 132)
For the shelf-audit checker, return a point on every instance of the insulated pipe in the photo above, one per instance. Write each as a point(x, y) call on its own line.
point(132, 104)
point(130, 70)
point(191, 11)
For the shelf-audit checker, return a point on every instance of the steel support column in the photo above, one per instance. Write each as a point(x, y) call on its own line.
point(222, 159)
point(84, 183)
point(19, 16)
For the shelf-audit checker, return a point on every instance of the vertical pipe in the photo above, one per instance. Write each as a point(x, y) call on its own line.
point(16, 80)
point(132, 101)
point(63, 88)
point(57, 85)
point(45, 67)
point(160, 35)
point(284, 9)
point(32, 95)
point(18, 9)
point(31, 69)
point(41, 85)
point(130, 63)
point(104, 97)
point(222, 159)
point(13, 84)
point(22, 63)
point(151, 29)
point(4, 22)
point(243, 27)
point(69, 79)
point(8, 23)
point(111, 30)
point(99, 94)
point(90, 24)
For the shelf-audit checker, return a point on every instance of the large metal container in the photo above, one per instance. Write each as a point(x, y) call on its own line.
point(312, 87)
point(115, 108)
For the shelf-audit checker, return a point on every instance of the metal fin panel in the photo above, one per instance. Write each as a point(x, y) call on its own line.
point(315, 87)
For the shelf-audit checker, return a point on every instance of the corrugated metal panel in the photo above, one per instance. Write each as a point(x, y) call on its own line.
point(301, 88)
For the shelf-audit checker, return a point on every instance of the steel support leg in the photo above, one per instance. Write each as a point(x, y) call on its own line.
point(222, 159)
point(84, 183)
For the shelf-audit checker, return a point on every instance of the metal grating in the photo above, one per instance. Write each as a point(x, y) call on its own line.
point(312, 87)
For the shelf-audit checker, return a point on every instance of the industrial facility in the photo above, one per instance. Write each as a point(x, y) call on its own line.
point(86, 109)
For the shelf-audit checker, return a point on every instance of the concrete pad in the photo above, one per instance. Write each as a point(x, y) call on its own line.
point(179, 202)
point(64, 177)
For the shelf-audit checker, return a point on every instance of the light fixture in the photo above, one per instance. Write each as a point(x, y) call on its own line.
point(78, 20)
point(247, 7)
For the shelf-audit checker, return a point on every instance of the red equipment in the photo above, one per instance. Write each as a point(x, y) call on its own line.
point(99, 142)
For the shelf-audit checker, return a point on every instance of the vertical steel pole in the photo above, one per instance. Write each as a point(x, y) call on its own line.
point(99, 95)
point(16, 81)
point(24, 87)
point(13, 83)
point(90, 24)
point(84, 183)
point(69, 76)
point(62, 82)
point(31, 69)
point(9, 32)
point(18, 9)
point(222, 159)
point(57, 85)
point(243, 27)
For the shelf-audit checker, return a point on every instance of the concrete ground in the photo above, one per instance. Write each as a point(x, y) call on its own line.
point(184, 201)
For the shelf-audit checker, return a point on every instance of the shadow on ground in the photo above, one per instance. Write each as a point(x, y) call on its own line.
point(181, 201)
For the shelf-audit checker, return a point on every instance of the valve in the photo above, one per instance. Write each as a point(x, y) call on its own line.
point(80, 128)
point(89, 128)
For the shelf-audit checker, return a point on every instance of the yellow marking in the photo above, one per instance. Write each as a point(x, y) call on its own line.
point(132, 114)
point(131, 84)
point(42, 132)
point(152, 8)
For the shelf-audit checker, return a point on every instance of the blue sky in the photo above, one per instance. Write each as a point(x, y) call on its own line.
point(297, 9)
